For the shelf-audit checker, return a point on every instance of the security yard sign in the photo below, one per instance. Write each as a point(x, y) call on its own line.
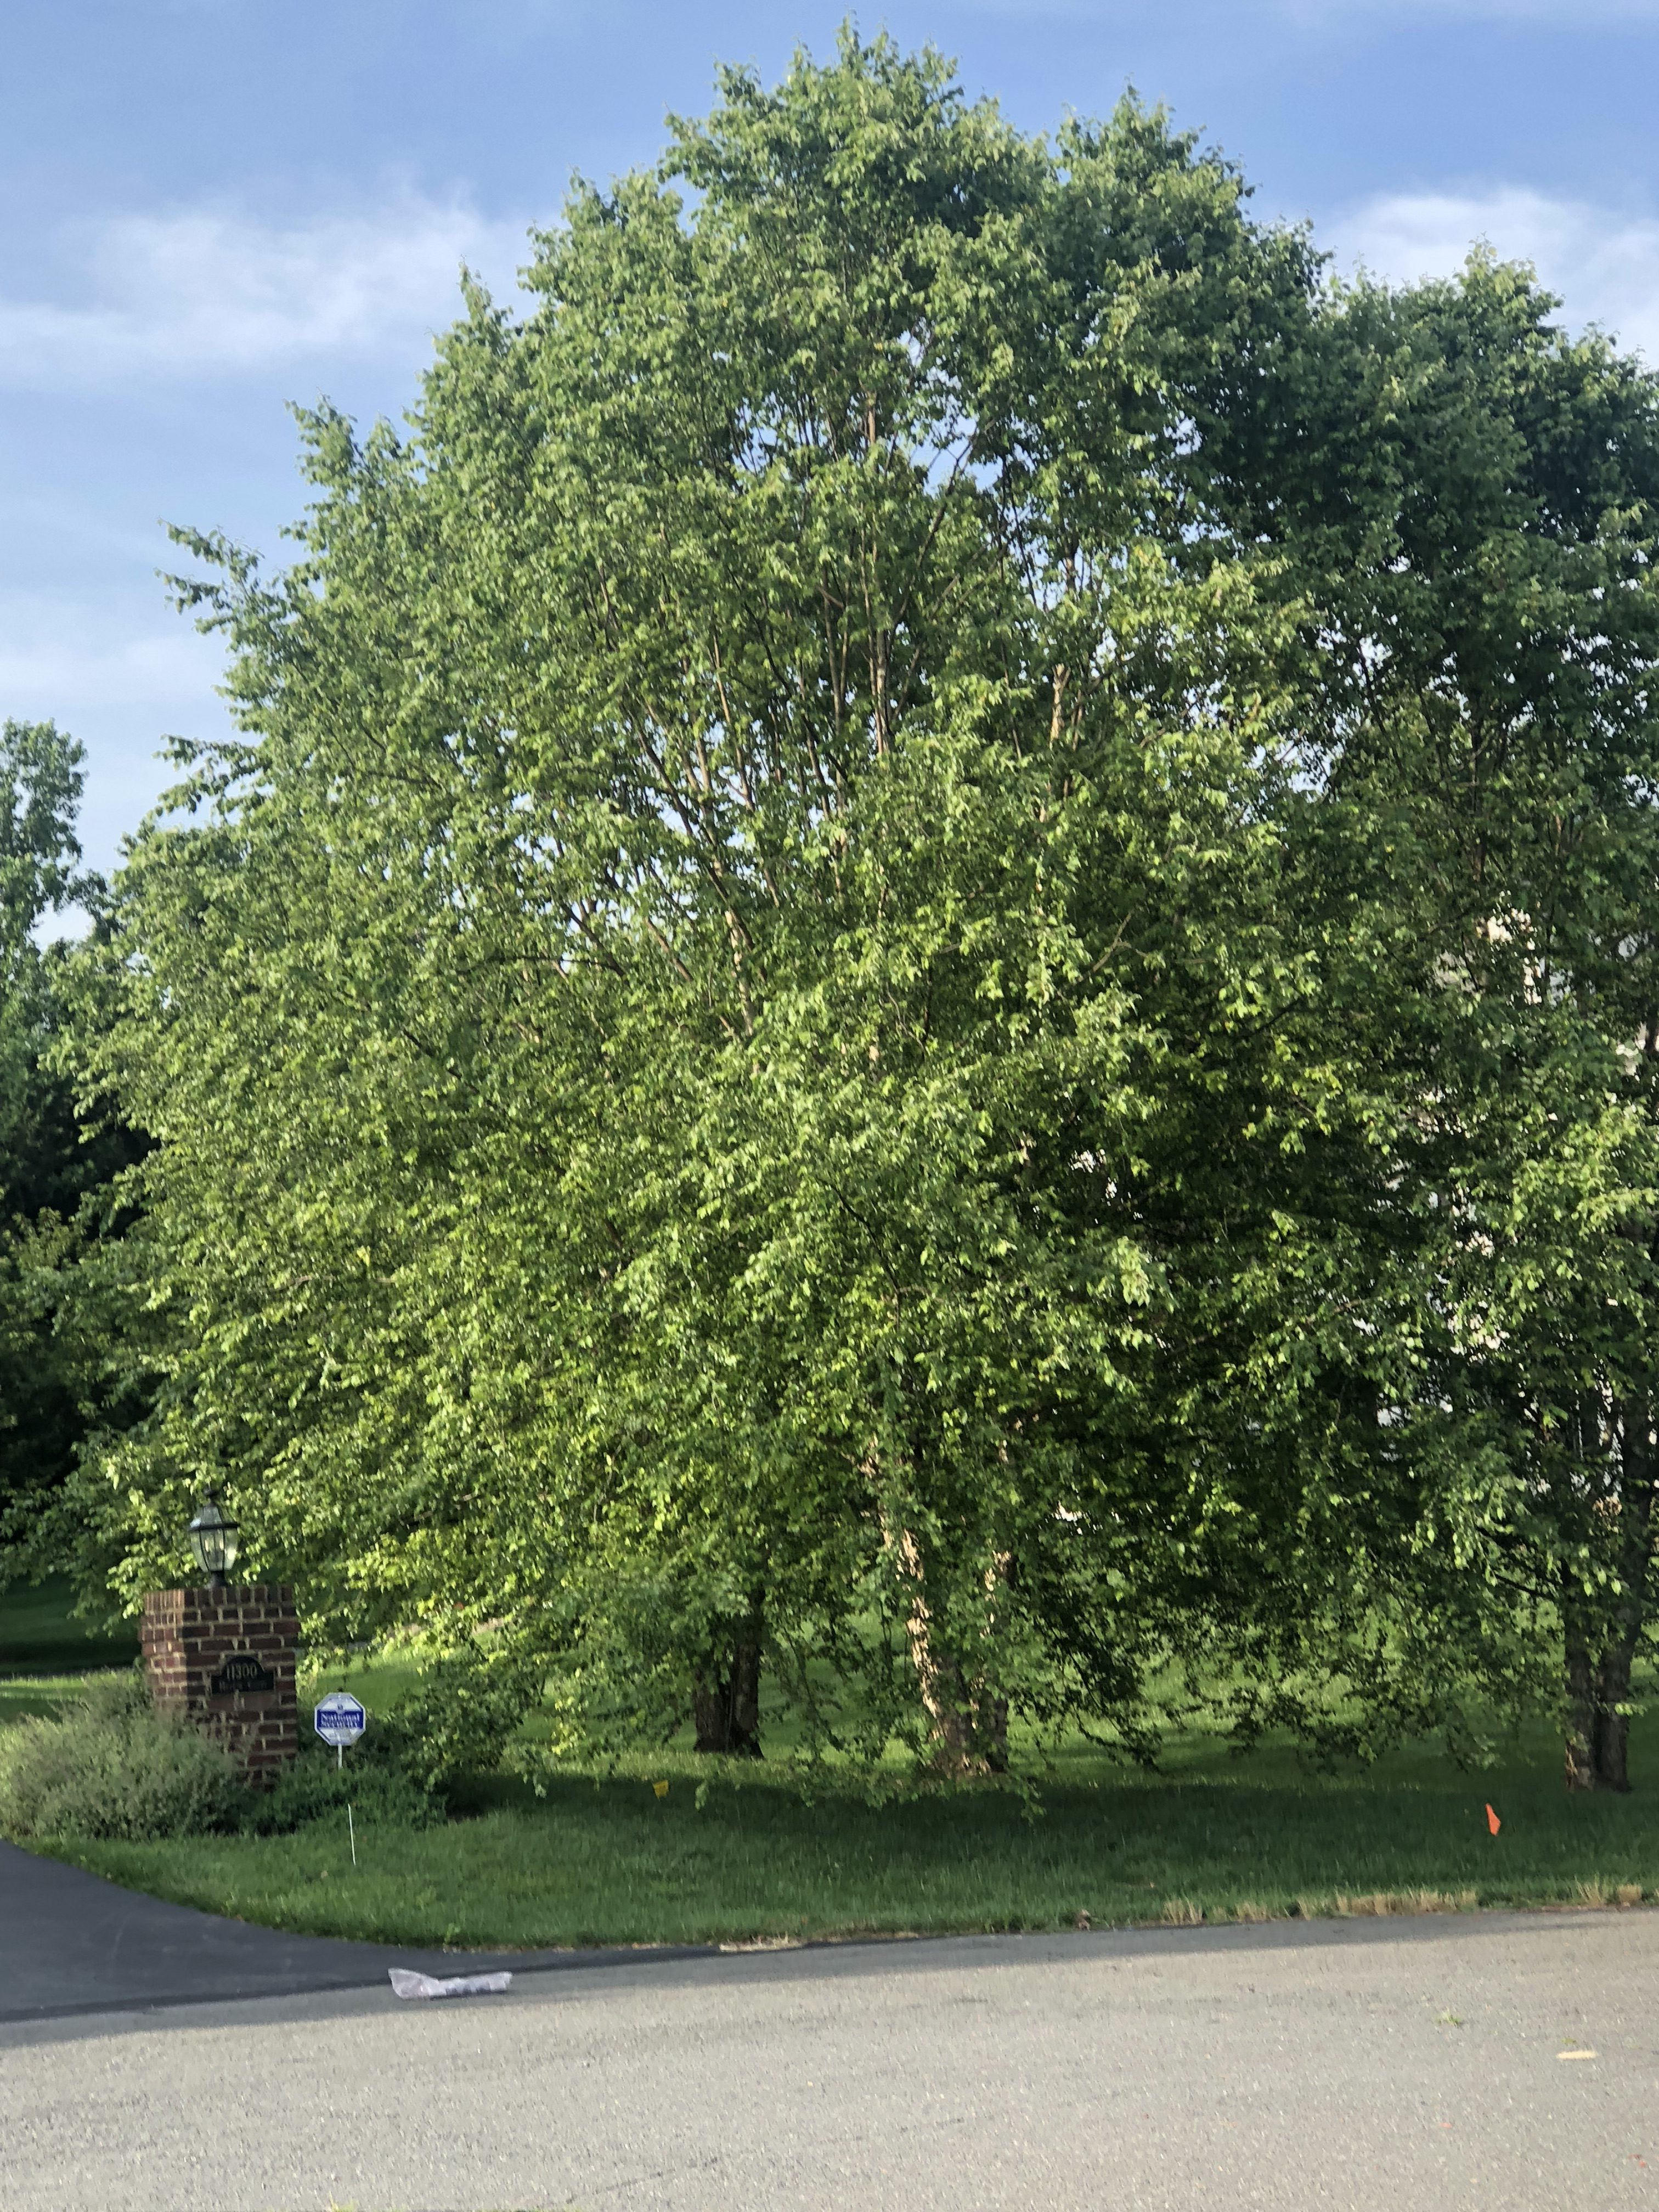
point(339, 1720)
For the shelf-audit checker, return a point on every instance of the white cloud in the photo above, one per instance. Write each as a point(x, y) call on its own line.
point(65, 662)
point(199, 293)
point(1604, 266)
point(116, 678)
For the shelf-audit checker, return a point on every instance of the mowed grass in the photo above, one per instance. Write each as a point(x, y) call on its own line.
point(39, 1632)
point(744, 1853)
point(731, 1854)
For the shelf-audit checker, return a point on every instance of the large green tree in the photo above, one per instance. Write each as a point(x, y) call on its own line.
point(1465, 499)
point(924, 963)
point(724, 1052)
point(50, 1169)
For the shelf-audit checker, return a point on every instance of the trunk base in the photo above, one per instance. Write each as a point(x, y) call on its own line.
point(725, 1704)
point(968, 1721)
point(1597, 1731)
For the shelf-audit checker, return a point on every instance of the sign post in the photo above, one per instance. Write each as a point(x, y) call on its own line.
point(339, 1720)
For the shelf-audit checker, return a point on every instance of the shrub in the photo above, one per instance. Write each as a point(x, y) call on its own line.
point(112, 1765)
point(462, 1716)
point(373, 1781)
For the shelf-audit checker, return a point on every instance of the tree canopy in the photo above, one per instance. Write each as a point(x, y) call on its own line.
point(927, 965)
point(51, 1172)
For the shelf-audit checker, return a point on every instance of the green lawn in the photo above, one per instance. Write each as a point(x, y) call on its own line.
point(22, 1695)
point(609, 1861)
point(732, 1852)
point(39, 1633)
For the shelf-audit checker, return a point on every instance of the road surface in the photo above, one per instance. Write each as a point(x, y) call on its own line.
point(1351, 2066)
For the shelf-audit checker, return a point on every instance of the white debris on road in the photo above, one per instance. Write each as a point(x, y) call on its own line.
point(408, 1984)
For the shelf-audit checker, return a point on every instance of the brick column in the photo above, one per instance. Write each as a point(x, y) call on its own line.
point(224, 1658)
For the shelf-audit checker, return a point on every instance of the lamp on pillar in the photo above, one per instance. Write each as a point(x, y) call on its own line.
point(222, 1659)
point(212, 1537)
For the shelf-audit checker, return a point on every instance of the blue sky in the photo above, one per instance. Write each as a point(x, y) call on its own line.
point(215, 206)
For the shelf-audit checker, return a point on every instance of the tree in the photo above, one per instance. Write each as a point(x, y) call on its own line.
point(926, 963)
point(1466, 505)
point(677, 1054)
point(47, 1167)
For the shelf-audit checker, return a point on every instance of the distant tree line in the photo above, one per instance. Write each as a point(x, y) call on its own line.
point(928, 982)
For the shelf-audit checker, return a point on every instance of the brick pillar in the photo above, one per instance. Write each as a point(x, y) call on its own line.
point(224, 1658)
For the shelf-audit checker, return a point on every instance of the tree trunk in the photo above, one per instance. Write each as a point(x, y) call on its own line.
point(726, 1697)
point(945, 1700)
point(967, 1720)
point(1597, 1731)
point(1600, 1657)
point(991, 1726)
point(1580, 1729)
point(1610, 1744)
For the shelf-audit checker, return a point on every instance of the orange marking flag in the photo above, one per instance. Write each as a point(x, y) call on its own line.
point(1493, 1820)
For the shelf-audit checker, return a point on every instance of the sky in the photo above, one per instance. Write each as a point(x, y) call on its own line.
point(214, 208)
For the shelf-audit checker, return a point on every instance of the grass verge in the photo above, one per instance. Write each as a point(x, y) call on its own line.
point(736, 1852)
point(614, 1863)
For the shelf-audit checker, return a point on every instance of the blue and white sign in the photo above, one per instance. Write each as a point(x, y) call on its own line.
point(339, 1719)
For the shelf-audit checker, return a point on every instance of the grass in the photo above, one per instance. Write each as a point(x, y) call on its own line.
point(737, 1853)
point(24, 1695)
point(40, 1634)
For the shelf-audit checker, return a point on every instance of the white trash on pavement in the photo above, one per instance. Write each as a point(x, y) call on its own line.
point(408, 1984)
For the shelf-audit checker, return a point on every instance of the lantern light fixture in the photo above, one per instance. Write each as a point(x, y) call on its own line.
point(213, 1538)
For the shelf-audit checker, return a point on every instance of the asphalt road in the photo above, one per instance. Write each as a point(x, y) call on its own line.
point(72, 1943)
point(1359, 2067)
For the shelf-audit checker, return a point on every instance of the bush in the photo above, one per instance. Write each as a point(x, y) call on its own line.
point(460, 1718)
point(373, 1781)
point(112, 1765)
